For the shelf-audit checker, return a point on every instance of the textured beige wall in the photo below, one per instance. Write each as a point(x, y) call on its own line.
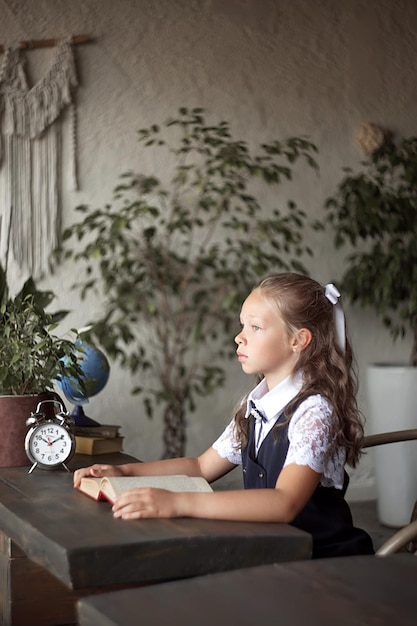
point(273, 68)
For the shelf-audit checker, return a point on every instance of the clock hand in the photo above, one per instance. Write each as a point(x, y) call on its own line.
point(57, 439)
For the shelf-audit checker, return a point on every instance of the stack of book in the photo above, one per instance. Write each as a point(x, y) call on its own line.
point(101, 439)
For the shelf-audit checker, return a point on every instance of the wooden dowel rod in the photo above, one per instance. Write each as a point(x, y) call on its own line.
point(48, 43)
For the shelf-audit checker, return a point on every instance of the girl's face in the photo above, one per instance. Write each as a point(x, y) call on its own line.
point(263, 343)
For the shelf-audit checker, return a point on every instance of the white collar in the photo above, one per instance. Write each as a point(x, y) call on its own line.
point(271, 402)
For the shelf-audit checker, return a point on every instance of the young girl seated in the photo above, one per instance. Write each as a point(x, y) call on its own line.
point(292, 434)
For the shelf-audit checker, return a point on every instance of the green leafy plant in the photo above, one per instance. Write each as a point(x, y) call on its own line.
point(30, 354)
point(374, 212)
point(173, 263)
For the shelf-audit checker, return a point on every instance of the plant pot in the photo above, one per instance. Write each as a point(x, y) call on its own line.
point(392, 396)
point(14, 411)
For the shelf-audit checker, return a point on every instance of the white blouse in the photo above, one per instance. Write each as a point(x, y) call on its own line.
point(311, 431)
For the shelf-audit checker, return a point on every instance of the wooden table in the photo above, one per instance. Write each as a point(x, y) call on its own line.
point(347, 591)
point(57, 545)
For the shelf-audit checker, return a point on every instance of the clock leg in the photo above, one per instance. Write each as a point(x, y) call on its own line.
point(32, 468)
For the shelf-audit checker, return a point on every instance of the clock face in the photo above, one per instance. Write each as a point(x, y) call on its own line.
point(49, 444)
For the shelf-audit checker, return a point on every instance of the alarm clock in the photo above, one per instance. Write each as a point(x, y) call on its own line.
point(49, 442)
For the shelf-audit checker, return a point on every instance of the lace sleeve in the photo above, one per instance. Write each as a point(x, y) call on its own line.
point(312, 437)
point(227, 446)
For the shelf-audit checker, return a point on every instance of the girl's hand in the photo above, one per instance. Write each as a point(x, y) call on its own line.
point(96, 471)
point(148, 503)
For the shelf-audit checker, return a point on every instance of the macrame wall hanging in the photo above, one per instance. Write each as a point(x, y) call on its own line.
point(31, 154)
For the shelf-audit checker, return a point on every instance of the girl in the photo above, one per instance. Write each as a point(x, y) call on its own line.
point(292, 434)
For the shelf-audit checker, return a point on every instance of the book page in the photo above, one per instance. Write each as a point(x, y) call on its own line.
point(177, 482)
point(90, 486)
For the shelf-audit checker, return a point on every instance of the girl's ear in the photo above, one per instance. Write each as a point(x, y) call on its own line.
point(301, 339)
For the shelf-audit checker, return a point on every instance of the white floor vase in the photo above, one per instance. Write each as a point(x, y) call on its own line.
point(392, 397)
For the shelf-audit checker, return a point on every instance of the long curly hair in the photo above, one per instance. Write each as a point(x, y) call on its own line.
point(326, 369)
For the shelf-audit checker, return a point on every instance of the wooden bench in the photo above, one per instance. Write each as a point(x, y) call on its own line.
point(345, 591)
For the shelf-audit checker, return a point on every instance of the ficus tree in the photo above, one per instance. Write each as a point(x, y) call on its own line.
point(373, 216)
point(173, 260)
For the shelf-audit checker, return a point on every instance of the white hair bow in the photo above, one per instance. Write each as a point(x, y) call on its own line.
point(333, 295)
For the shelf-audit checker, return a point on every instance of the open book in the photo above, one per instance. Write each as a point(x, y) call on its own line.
point(109, 487)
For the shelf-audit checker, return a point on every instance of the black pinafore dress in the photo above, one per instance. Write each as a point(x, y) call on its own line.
point(326, 516)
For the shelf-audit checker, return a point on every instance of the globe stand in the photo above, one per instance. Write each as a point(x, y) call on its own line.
point(81, 419)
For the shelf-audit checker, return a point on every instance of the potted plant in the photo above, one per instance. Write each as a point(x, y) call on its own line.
point(31, 360)
point(374, 212)
point(172, 261)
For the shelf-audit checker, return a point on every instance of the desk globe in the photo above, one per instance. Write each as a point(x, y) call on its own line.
point(95, 370)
